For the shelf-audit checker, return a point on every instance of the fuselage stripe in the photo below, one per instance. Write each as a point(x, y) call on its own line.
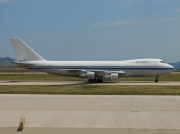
point(101, 67)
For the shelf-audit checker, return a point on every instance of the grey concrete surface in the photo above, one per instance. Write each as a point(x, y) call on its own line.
point(31, 130)
point(161, 83)
point(76, 114)
point(71, 111)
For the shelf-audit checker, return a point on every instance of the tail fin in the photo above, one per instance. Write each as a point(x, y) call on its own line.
point(23, 51)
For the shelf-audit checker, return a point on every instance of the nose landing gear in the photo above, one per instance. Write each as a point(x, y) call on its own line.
point(156, 79)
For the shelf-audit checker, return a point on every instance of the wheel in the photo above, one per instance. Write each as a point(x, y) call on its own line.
point(95, 80)
point(156, 79)
point(99, 80)
point(91, 80)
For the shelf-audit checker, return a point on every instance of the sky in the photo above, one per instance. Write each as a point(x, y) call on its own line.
point(100, 30)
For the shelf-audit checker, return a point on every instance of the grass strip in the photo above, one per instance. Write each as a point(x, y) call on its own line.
point(92, 90)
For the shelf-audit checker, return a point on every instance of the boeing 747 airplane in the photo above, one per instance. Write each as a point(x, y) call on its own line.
point(95, 71)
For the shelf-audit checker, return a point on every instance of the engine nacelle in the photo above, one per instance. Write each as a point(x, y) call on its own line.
point(89, 75)
point(112, 76)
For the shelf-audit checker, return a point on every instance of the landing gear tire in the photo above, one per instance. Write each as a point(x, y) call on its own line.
point(99, 80)
point(91, 80)
point(95, 80)
point(156, 80)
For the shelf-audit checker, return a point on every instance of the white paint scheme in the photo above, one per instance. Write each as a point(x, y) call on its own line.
point(28, 58)
point(24, 52)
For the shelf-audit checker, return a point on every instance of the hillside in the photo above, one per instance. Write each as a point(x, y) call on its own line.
point(6, 59)
point(4, 62)
point(176, 65)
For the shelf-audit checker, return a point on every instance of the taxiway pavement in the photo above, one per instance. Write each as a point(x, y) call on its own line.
point(91, 114)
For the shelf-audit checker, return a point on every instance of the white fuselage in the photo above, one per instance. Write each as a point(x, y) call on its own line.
point(95, 71)
point(137, 67)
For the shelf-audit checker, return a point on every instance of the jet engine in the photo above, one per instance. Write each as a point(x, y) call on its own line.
point(89, 75)
point(112, 76)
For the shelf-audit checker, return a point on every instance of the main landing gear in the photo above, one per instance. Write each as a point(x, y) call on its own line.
point(156, 80)
point(95, 80)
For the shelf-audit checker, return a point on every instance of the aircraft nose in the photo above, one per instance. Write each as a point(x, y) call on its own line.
point(171, 67)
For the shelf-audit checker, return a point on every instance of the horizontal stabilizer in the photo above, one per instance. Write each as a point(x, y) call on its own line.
point(21, 64)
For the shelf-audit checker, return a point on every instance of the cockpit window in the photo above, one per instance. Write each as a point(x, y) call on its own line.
point(162, 61)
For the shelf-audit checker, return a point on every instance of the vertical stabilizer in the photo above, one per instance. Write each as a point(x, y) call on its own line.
point(23, 51)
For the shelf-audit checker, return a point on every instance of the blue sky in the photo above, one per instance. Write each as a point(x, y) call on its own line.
point(93, 29)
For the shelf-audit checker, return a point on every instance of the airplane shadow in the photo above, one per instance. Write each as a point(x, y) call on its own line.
point(85, 83)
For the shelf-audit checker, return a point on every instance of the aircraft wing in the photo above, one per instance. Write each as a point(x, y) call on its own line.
point(97, 72)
